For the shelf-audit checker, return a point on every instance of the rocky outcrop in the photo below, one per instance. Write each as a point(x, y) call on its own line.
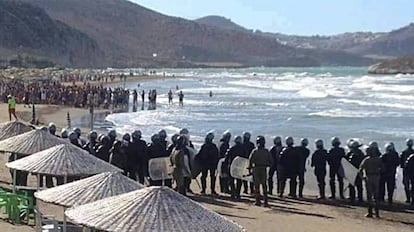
point(404, 65)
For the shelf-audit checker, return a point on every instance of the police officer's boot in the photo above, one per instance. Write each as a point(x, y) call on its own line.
point(266, 203)
point(321, 192)
point(341, 189)
point(332, 185)
point(369, 214)
point(377, 212)
point(270, 192)
point(282, 188)
point(213, 186)
point(407, 194)
point(257, 202)
point(301, 190)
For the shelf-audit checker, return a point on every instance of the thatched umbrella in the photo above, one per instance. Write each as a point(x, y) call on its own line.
point(149, 209)
point(62, 160)
point(90, 189)
point(30, 142)
point(11, 129)
point(27, 144)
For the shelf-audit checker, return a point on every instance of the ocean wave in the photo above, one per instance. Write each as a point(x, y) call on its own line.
point(377, 104)
point(312, 93)
point(341, 113)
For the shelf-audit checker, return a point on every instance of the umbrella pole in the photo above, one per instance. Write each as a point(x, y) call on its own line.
point(14, 174)
point(64, 221)
point(38, 216)
point(65, 180)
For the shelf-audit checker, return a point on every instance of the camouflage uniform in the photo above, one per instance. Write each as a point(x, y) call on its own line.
point(177, 161)
point(260, 159)
point(371, 167)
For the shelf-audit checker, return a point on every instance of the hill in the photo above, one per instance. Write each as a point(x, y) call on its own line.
point(221, 22)
point(29, 36)
point(130, 35)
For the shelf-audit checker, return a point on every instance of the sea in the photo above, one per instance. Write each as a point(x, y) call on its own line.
point(300, 102)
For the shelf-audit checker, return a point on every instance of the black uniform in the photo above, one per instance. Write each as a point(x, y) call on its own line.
point(289, 165)
point(406, 179)
point(157, 150)
point(248, 148)
point(136, 158)
point(409, 166)
point(275, 152)
point(390, 161)
point(303, 153)
point(236, 150)
point(335, 156)
point(319, 159)
point(355, 157)
point(208, 157)
point(103, 152)
point(224, 185)
point(118, 157)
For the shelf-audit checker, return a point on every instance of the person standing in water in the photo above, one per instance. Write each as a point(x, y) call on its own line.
point(181, 98)
point(170, 97)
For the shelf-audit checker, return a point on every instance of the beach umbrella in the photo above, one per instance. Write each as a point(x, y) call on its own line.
point(62, 160)
point(149, 209)
point(30, 142)
point(90, 189)
point(87, 190)
point(11, 129)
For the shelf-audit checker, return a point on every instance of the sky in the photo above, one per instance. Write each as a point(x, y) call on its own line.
point(300, 17)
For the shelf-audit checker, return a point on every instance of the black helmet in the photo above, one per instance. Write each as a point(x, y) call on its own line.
point(318, 143)
point(174, 138)
point(277, 140)
point(181, 141)
point(289, 141)
point(237, 139)
point(335, 141)
point(112, 134)
point(93, 136)
point(155, 138)
point(409, 142)
point(77, 130)
point(226, 135)
point(136, 134)
point(184, 131)
point(44, 128)
point(64, 134)
point(209, 137)
point(106, 140)
point(304, 142)
point(126, 137)
point(246, 136)
point(73, 136)
point(163, 134)
point(52, 128)
point(260, 140)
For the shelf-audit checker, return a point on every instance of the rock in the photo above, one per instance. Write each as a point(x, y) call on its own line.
point(403, 65)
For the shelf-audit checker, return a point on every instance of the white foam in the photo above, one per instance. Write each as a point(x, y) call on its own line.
point(378, 104)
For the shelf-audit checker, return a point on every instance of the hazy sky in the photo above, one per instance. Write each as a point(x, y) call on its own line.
point(305, 17)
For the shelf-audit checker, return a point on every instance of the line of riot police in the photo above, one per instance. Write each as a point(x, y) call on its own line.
point(287, 161)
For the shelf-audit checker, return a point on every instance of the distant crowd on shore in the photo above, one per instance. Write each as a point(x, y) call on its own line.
point(56, 93)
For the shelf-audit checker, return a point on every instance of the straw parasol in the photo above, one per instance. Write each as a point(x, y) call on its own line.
point(30, 142)
point(62, 160)
point(90, 189)
point(11, 129)
point(149, 209)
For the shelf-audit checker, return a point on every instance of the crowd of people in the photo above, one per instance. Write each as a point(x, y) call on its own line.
point(288, 162)
point(56, 93)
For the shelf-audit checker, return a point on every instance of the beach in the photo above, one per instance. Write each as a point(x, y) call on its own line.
point(290, 215)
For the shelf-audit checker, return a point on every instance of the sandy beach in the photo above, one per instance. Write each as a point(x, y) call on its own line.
point(307, 215)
